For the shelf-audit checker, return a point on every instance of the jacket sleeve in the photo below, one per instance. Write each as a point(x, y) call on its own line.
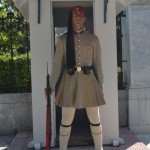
point(97, 62)
point(57, 64)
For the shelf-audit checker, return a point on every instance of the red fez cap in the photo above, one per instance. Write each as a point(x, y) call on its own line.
point(78, 9)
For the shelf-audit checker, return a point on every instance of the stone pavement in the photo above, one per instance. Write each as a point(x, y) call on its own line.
point(5, 141)
point(132, 142)
point(145, 138)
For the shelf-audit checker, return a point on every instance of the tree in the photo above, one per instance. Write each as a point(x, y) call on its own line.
point(13, 29)
point(14, 49)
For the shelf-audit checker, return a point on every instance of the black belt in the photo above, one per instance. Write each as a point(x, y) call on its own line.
point(85, 70)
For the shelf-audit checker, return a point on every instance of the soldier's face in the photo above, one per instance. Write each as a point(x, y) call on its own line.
point(78, 20)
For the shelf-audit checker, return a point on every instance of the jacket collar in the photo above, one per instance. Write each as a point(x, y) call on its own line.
point(79, 31)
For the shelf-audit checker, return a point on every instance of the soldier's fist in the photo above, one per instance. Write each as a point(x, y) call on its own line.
point(48, 92)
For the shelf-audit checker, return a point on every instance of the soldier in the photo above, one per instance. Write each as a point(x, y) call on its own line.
point(82, 82)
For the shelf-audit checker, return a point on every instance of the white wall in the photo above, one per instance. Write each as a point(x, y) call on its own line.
point(139, 90)
point(122, 4)
point(15, 113)
point(41, 53)
point(107, 35)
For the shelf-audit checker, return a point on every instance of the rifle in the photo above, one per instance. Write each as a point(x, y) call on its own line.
point(48, 113)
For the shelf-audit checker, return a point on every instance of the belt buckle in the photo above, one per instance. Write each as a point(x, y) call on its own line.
point(78, 69)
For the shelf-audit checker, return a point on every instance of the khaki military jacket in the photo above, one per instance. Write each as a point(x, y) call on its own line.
point(79, 90)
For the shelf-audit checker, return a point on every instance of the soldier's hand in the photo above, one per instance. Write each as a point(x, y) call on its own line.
point(48, 92)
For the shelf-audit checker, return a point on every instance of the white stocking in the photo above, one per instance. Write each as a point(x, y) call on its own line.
point(64, 137)
point(97, 136)
point(65, 128)
point(96, 127)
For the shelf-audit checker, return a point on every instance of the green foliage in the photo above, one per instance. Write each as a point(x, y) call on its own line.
point(15, 75)
point(15, 68)
point(14, 28)
point(7, 6)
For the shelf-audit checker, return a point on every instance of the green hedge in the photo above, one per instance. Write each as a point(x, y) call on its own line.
point(15, 75)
